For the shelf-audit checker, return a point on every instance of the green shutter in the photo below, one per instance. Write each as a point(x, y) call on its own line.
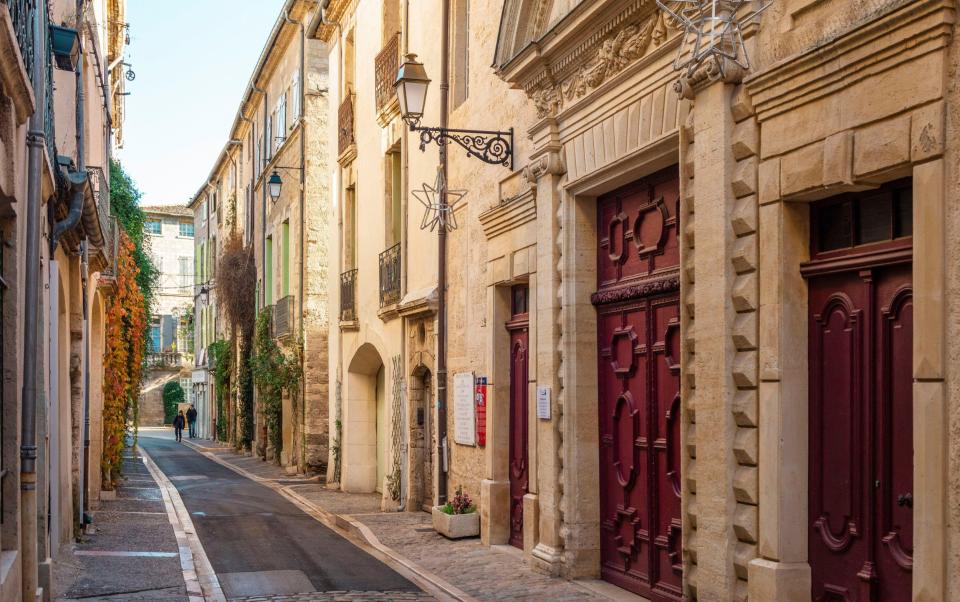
point(285, 258)
point(268, 272)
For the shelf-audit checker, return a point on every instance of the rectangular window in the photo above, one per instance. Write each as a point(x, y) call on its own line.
point(460, 57)
point(155, 337)
point(268, 272)
point(295, 98)
point(268, 139)
point(212, 257)
point(285, 259)
point(203, 213)
point(350, 229)
point(186, 229)
point(281, 121)
point(153, 226)
point(184, 272)
point(396, 196)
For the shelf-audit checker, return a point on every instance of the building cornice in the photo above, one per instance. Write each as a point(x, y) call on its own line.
point(903, 32)
point(587, 48)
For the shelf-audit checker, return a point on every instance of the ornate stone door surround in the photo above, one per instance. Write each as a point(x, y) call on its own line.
point(903, 134)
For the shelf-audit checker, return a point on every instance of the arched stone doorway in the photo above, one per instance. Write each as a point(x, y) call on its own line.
point(364, 423)
point(422, 439)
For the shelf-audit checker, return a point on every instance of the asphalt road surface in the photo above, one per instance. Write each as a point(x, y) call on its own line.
point(259, 543)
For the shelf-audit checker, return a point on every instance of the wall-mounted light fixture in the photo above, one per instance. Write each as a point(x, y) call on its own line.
point(275, 182)
point(489, 146)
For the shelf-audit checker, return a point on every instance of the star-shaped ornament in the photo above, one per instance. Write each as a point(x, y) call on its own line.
point(436, 212)
point(711, 30)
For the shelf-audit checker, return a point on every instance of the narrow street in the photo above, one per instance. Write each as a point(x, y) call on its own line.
point(258, 543)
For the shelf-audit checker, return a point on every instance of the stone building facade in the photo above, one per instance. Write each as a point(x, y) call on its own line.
point(708, 289)
point(280, 130)
point(75, 237)
point(170, 232)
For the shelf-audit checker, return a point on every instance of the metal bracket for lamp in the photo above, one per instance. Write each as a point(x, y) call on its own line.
point(490, 146)
point(493, 147)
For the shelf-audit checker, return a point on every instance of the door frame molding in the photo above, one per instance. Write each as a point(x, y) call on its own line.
point(784, 380)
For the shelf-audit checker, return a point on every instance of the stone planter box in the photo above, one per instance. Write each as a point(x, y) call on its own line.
point(455, 526)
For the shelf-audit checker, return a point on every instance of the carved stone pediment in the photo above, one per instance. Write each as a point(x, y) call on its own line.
point(557, 63)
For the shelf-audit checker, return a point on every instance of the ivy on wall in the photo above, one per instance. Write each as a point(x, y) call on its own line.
point(274, 373)
point(220, 359)
point(125, 206)
point(125, 343)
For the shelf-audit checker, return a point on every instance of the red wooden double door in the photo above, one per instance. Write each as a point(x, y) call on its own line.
point(861, 398)
point(639, 386)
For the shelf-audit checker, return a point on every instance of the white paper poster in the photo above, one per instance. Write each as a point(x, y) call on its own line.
point(464, 418)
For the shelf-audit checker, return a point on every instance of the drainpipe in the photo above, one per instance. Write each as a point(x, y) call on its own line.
point(303, 225)
point(84, 477)
point(442, 266)
point(76, 184)
point(404, 240)
point(36, 141)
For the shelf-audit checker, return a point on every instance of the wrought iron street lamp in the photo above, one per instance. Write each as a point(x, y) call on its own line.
point(494, 147)
point(275, 184)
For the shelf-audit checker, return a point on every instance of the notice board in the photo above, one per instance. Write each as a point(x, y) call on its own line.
point(464, 417)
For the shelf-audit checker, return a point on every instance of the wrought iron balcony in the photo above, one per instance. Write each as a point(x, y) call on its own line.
point(386, 65)
point(348, 296)
point(345, 124)
point(284, 318)
point(390, 276)
point(21, 16)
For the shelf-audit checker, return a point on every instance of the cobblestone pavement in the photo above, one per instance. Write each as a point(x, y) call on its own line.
point(483, 572)
point(338, 596)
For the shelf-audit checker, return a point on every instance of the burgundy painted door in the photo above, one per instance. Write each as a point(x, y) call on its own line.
point(861, 408)
point(639, 387)
point(519, 407)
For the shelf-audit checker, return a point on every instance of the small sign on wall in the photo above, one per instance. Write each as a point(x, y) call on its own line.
point(481, 396)
point(543, 403)
point(464, 411)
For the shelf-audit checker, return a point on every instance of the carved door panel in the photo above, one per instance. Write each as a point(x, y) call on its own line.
point(639, 387)
point(518, 433)
point(519, 413)
point(861, 397)
point(861, 435)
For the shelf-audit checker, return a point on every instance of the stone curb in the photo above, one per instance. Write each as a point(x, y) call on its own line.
point(353, 531)
point(202, 583)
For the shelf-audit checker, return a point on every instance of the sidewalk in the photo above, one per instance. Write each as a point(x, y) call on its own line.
point(461, 569)
point(133, 553)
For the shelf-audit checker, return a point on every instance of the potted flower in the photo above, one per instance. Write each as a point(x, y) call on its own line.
point(457, 518)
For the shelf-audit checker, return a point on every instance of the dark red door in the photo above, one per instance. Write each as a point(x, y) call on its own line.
point(861, 400)
point(519, 407)
point(639, 387)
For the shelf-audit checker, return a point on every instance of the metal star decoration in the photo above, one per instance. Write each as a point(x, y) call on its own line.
point(438, 212)
point(711, 31)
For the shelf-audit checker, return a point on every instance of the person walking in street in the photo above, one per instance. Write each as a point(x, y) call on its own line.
point(192, 421)
point(178, 424)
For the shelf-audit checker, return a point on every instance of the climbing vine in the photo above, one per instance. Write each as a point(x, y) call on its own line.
point(274, 373)
point(220, 358)
point(125, 344)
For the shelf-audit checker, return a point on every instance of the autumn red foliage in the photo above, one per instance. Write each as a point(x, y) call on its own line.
point(125, 345)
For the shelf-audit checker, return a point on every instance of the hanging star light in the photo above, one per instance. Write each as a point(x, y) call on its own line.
point(437, 211)
point(712, 32)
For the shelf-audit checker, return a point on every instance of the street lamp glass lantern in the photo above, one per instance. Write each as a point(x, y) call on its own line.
point(65, 47)
point(275, 183)
point(411, 85)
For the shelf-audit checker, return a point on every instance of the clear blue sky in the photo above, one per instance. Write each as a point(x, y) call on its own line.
point(193, 59)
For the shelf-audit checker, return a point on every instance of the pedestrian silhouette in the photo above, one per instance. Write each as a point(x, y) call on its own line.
point(178, 424)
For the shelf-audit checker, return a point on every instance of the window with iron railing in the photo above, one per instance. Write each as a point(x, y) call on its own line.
point(390, 276)
point(345, 139)
point(348, 289)
point(385, 71)
point(21, 17)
